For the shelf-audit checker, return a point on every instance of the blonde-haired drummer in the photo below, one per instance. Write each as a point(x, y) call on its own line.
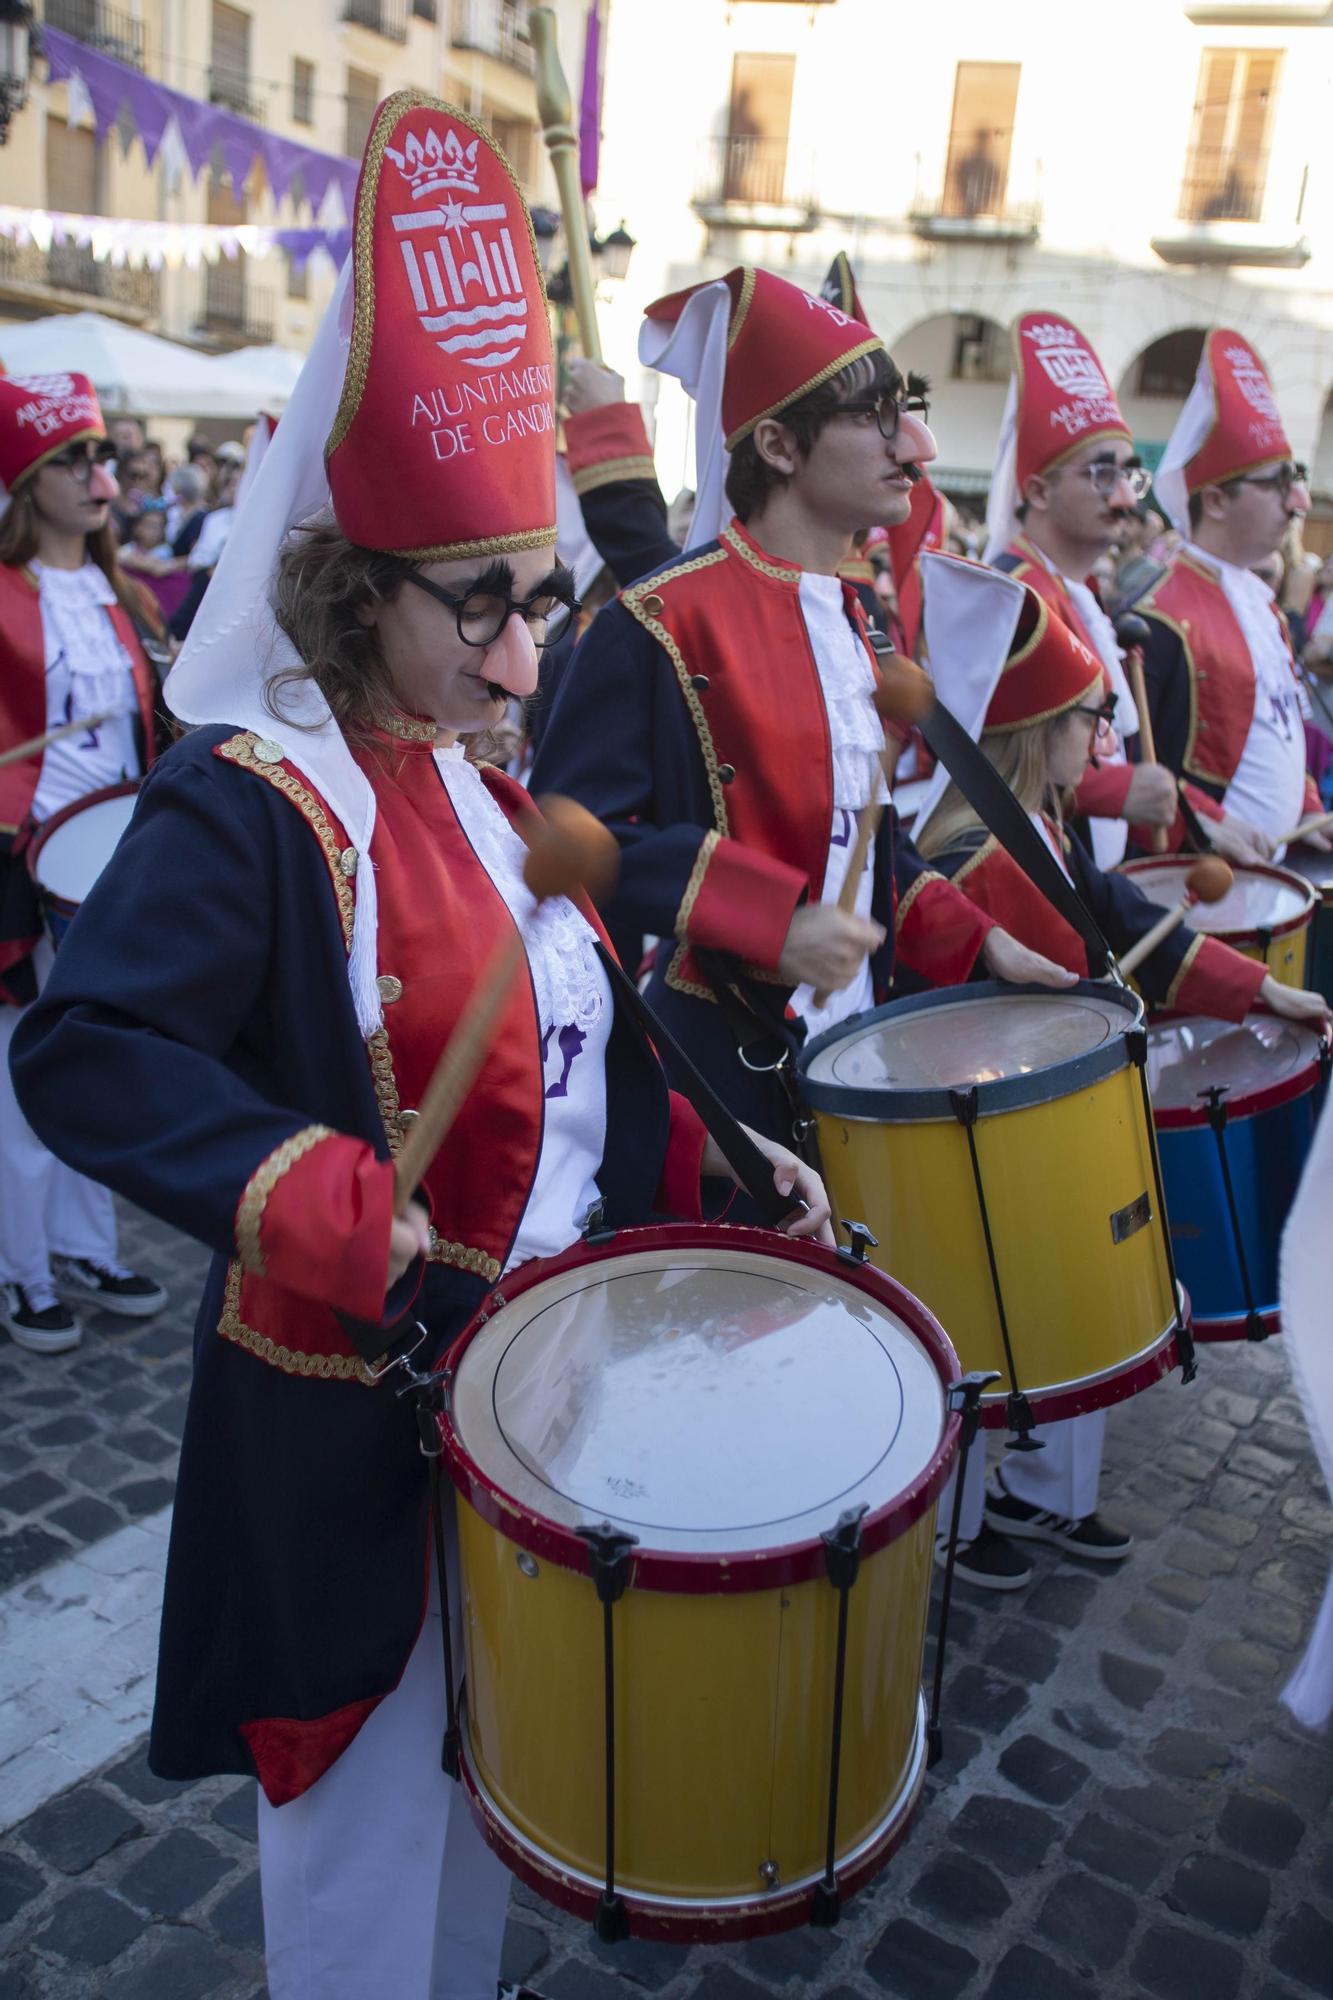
point(314, 881)
point(1035, 697)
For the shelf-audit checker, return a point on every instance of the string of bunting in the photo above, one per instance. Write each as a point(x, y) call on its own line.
point(167, 245)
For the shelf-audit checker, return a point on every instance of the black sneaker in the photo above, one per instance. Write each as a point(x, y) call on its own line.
point(36, 1319)
point(1090, 1538)
point(988, 1561)
point(108, 1287)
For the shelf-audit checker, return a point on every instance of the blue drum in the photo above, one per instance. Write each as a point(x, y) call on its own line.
point(1235, 1110)
point(1317, 870)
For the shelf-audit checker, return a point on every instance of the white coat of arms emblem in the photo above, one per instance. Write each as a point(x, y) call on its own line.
point(458, 253)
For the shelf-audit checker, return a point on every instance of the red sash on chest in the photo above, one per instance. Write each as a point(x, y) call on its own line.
point(1190, 600)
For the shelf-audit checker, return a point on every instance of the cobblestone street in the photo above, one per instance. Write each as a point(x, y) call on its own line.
point(1123, 1808)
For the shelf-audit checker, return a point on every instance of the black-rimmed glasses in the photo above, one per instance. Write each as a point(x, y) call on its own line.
point(1290, 473)
point(79, 459)
point(481, 615)
point(1104, 475)
point(1101, 717)
point(887, 410)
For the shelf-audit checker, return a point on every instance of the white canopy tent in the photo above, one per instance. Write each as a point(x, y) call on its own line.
point(134, 373)
point(276, 367)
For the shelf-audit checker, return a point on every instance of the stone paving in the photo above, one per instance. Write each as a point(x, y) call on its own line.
point(1123, 1809)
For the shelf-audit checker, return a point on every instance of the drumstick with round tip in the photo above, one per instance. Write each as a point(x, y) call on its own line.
point(902, 694)
point(1207, 882)
point(36, 744)
point(1320, 823)
point(1133, 634)
point(570, 852)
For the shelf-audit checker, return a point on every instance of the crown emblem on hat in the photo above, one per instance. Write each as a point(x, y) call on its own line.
point(56, 386)
point(1252, 382)
point(433, 164)
point(1046, 335)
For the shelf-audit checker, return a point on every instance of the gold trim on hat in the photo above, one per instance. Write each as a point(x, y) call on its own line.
point(815, 382)
point(78, 437)
point(742, 307)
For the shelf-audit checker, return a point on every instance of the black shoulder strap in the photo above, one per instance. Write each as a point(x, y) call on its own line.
point(754, 1172)
point(988, 794)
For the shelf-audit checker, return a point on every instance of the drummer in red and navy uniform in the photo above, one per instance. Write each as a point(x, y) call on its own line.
point(69, 647)
point(1035, 698)
point(1066, 476)
point(1223, 690)
point(719, 717)
point(314, 881)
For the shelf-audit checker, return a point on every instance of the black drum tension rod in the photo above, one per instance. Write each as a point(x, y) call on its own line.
point(1136, 1043)
point(1219, 1116)
point(1018, 1410)
point(608, 1565)
point(842, 1560)
point(964, 1396)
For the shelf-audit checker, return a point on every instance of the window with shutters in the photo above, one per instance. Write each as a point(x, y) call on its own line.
point(73, 184)
point(363, 94)
point(224, 282)
point(1227, 166)
point(758, 128)
point(303, 91)
point(981, 131)
point(229, 70)
point(517, 138)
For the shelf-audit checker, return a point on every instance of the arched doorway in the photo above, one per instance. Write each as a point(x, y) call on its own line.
point(1154, 386)
point(966, 356)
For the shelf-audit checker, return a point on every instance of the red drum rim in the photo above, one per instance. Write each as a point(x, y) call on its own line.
point(126, 789)
point(684, 1920)
point(1190, 1118)
point(711, 1573)
point(1235, 1326)
point(1151, 864)
point(1094, 1392)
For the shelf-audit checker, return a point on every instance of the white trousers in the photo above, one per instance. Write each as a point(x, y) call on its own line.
point(1063, 1478)
point(46, 1207)
point(376, 1882)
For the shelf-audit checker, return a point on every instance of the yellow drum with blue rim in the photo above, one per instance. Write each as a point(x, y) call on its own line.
point(1266, 913)
point(718, 1403)
point(998, 1140)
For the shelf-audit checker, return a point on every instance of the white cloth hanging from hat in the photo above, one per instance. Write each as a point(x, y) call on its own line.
point(1192, 427)
point(969, 616)
point(694, 350)
point(1002, 501)
point(1307, 1328)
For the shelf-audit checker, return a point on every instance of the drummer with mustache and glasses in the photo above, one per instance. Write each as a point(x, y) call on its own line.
point(1034, 696)
point(69, 648)
point(1066, 478)
point(316, 882)
point(1227, 707)
point(720, 718)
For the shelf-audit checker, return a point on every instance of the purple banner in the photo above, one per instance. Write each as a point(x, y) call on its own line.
point(590, 104)
point(300, 244)
point(114, 86)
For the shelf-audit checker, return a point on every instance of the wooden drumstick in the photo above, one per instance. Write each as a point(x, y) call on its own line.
point(1131, 631)
point(36, 744)
point(555, 108)
point(1319, 824)
point(1207, 882)
point(570, 852)
point(903, 693)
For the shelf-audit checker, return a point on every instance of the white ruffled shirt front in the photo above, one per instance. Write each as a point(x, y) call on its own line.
point(856, 741)
point(88, 672)
point(574, 1014)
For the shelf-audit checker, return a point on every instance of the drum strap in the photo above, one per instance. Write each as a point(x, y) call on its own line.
point(751, 1168)
point(988, 795)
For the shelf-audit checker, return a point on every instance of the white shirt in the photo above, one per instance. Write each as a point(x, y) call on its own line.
point(856, 740)
point(1268, 784)
point(88, 672)
point(207, 551)
point(574, 1014)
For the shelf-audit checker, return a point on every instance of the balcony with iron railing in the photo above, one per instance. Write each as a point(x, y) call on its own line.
point(975, 204)
point(66, 275)
point(381, 17)
point(1224, 214)
point(233, 90)
point(747, 182)
point(109, 30)
point(232, 311)
point(496, 28)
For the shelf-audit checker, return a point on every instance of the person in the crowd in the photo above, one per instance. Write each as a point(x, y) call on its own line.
point(203, 557)
point(1222, 687)
point(696, 699)
point(315, 882)
point(187, 504)
point(1043, 702)
point(149, 555)
point(69, 648)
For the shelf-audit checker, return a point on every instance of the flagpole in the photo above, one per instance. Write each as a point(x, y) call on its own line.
point(555, 108)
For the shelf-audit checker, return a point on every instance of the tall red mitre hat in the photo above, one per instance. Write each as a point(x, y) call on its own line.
point(1048, 670)
point(781, 343)
point(1064, 398)
point(40, 415)
point(1246, 431)
point(444, 441)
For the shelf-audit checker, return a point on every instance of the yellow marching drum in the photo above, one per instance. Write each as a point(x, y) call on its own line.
point(999, 1142)
point(716, 1422)
point(1266, 913)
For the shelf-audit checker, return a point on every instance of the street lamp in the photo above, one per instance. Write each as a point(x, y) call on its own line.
point(546, 229)
point(18, 42)
point(616, 251)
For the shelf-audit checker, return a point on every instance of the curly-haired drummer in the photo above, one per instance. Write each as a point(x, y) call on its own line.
point(313, 883)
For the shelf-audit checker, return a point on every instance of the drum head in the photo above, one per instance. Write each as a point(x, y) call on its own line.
point(1262, 1055)
point(73, 854)
point(968, 1041)
point(1312, 867)
point(709, 1401)
point(1257, 899)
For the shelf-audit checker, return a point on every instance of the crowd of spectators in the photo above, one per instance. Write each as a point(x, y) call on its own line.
point(172, 520)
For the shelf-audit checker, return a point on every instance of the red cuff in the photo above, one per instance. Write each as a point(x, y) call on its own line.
point(315, 1217)
point(1216, 979)
point(678, 1190)
point(740, 901)
point(1103, 790)
point(938, 931)
point(607, 444)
